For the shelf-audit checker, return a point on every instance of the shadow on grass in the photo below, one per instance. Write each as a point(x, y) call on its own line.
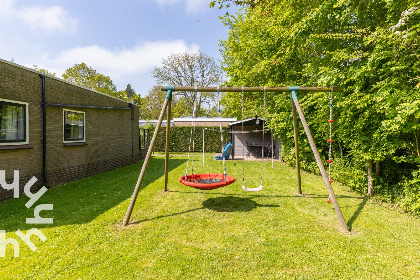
point(237, 202)
point(256, 195)
point(356, 214)
point(82, 201)
point(218, 204)
point(165, 216)
point(232, 204)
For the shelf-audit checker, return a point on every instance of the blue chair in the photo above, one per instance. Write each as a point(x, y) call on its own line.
point(227, 150)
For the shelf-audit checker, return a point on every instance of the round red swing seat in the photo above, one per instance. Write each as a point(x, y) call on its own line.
point(207, 181)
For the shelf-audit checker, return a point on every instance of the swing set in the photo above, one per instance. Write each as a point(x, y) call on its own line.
point(207, 181)
point(215, 180)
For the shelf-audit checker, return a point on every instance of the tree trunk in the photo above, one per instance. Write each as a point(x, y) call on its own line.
point(378, 169)
point(369, 176)
point(341, 149)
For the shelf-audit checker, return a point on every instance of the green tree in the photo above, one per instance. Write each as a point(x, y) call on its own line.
point(151, 104)
point(227, 3)
point(86, 76)
point(371, 48)
point(43, 71)
point(135, 98)
point(190, 69)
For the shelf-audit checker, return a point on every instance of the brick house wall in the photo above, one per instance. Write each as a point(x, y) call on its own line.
point(111, 130)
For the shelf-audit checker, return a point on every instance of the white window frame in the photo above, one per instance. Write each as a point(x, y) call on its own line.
point(64, 127)
point(26, 142)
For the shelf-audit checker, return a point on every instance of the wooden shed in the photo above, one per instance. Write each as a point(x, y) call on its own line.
point(248, 141)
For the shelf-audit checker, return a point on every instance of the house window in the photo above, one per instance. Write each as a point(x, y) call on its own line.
point(13, 122)
point(74, 126)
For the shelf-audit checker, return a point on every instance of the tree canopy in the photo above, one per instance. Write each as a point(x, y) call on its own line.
point(81, 74)
point(371, 48)
point(151, 104)
point(43, 71)
point(86, 76)
point(190, 69)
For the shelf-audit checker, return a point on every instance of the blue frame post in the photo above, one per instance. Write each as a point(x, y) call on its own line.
point(318, 159)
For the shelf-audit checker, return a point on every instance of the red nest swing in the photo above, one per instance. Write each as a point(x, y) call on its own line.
point(207, 181)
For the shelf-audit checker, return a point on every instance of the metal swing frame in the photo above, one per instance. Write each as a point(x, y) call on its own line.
point(295, 108)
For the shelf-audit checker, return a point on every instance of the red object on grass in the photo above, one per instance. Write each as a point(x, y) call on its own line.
point(329, 160)
point(331, 181)
point(328, 200)
point(330, 140)
point(330, 121)
point(207, 181)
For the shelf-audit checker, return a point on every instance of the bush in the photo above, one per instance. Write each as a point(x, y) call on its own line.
point(351, 174)
point(411, 200)
point(180, 139)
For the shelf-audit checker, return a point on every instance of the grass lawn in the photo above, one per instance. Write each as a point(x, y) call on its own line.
point(220, 234)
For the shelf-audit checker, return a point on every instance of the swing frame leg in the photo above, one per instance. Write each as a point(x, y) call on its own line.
point(168, 136)
point(147, 159)
point(318, 160)
point(295, 134)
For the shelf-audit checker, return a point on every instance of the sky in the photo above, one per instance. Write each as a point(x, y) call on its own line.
point(122, 39)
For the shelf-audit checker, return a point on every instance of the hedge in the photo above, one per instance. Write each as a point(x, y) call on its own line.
point(180, 139)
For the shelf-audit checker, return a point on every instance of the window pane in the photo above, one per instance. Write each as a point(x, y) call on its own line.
point(73, 126)
point(12, 122)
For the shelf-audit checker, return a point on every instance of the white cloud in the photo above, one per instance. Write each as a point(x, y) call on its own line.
point(196, 6)
point(124, 66)
point(6, 5)
point(167, 2)
point(191, 6)
point(140, 58)
point(47, 19)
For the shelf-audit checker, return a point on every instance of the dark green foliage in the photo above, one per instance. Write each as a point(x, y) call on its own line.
point(371, 49)
point(180, 139)
point(411, 200)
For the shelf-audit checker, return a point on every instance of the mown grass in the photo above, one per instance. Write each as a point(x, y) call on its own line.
point(221, 234)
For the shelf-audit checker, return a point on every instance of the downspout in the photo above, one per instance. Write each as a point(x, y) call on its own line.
point(131, 105)
point(44, 130)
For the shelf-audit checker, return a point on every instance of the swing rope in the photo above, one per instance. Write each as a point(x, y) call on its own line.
point(221, 135)
point(330, 141)
point(191, 140)
point(243, 152)
point(272, 149)
point(243, 146)
point(263, 143)
point(205, 181)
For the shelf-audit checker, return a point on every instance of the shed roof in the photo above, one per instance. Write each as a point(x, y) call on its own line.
point(251, 121)
point(203, 119)
point(143, 123)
